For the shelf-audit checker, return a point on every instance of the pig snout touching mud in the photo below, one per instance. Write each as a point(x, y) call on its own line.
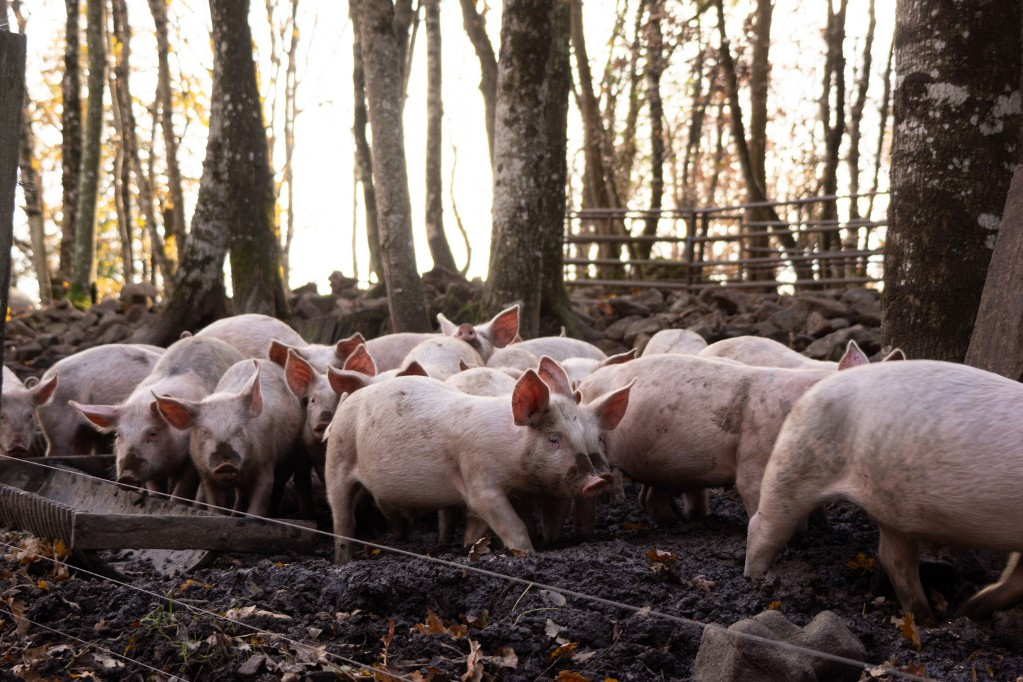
point(932, 451)
point(485, 338)
point(244, 438)
point(674, 341)
point(764, 352)
point(148, 450)
point(697, 423)
point(420, 445)
point(103, 374)
point(17, 406)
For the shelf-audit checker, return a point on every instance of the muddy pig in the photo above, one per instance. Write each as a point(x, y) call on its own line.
point(149, 451)
point(103, 374)
point(245, 438)
point(417, 444)
point(930, 450)
point(17, 404)
point(698, 423)
point(254, 336)
point(674, 341)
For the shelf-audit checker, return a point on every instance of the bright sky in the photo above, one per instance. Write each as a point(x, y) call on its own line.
point(323, 162)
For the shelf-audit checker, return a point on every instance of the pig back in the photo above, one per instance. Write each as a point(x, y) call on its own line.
point(560, 348)
point(389, 351)
point(250, 334)
point(206, 358)
point(674, 341)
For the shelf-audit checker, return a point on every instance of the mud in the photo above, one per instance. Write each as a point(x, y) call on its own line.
point(387, 616)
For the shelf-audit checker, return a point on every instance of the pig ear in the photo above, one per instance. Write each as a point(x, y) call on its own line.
point(853, 357)
point(252, 395)
point(897, 354)
point(554, 375)
point(278, 353)
point(530, 399)
point(298, 373)
point(180, 414)
point(447, 327)
point(618, 359)
point(610, 407)
point(185, 335)
point(503, 329)
point(461, 365)
point(414, 369)
point(344, 381)
point(42, 392)
point(103, 417)
point(564, 332)
point(345, 347)
point(361, 361)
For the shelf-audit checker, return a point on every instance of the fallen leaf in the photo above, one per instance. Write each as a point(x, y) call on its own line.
point(504, 658)
point(635, 526)
point(907, 626)
point(473, 663)
point(572, 676)
point(435, 626)
point(657, 555)
point(552, 629)
point(479, 548)
point(701, 583)
point(566, 650)
point(18, 614)
point(554, 598)
point(475, 621)
point(246, 611)
point(774, 606)
point(861, 562)
point(42, 585)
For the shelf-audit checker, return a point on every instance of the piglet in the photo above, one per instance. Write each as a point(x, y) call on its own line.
point(17, 406)
point(764, 352)
point(244, 438)
point(675, 341)
point(930, 450)
point(148, 450)
point(557, 348)
point(419, 444)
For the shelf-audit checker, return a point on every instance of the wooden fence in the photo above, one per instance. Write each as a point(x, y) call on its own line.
point(817, 242)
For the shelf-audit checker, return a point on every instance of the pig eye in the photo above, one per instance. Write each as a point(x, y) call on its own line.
point(554, 439)
point(152, 433)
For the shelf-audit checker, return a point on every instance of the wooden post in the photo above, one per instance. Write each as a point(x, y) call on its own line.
point(996, 343)
point(12, 94)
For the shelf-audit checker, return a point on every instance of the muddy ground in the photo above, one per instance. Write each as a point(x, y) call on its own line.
point(300, 617)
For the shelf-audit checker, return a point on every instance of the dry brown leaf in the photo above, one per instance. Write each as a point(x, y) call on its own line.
point(572, 676)
point(701, 583)
point(635, 526)
point(774, 606)
point(861, 562)
point(552, 629)
point(907, 626)
point(657, 555)
point(473, 663)
point(504, 658)
point(18, 614)
point(566, 650)
point(479, 548)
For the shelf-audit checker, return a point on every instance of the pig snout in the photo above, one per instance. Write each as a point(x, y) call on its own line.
point(320, 427)
point(466, 332)
point(225, 463)
point(128, 480)
point(595, 485)
point(18, 449)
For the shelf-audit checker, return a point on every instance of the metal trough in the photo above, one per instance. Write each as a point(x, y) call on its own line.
point(111, 529)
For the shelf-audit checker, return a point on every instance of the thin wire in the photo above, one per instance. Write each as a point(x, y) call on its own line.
point(93, 645)
point(253, 628)
point(522, 581)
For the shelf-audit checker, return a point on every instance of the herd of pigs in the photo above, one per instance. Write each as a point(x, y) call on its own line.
point(516, 434)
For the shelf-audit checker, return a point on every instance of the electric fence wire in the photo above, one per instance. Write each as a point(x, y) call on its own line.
point(582, 596)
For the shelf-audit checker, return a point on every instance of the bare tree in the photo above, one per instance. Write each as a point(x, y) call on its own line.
point(654, 68)
point(83, 278)
point(124, 122)
point(363, 154)
point(71, 143)
point(832, 119)
point(440, 251)
point(852, 237)
point(956, 140)
point(760, 74)
point(383, 41)
point(476, 29)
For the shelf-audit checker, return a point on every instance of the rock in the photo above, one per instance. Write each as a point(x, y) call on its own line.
point(626, 306)
point(832, 346)
point(253, 666)
point(817, 325)
point(789, 317)
point(339, 283)
point(646, 325)
point(726, 655)
point(765, 310)
point(616, 330)
point(652, 299)
point(866, 312)
point(727, 302)
point(827, 307)
point(141, 293)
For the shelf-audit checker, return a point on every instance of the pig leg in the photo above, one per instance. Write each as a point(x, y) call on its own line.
point(303, 469)
point(494, 508)
point(186, 482)
point(660, 505)
point(765, 536)
point(584, 515)
point(900, 557)
point(553, 513)
point(747, 482)
point(697, 504)
point(1001, 595)
point(475, 529)
point(446, 520)
point(262, 493)
point(341, 495)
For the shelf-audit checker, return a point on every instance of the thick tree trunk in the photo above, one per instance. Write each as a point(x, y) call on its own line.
point(71, 146)
point(176, 210)
point(382, 43)
point(83, 278)
point(520, 147)
point(12, 84)
point(235, 204)
point(476, 29)
point(956, 140)
point(124, 120)
point(363, 154)
point(554, 302)
point(440, 251)
point(760, 73)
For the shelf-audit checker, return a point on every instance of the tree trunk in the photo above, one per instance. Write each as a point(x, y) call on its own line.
point(833, 121)
point(520, 147)
point(83, 278)
point(71, 147)
point(12, 84)
point(654, 69)
point(363, 154)
point(124, 120)
point(235, 204)
point(290, 114)
point(997, 340)
point(956, 139)
point(760, 73)
point(176, 225)
point(884, 109)
point(476, 29)
point(382, 42)
point(555, 305)
point(852, 238)
point(625, 155)
point(440, 251)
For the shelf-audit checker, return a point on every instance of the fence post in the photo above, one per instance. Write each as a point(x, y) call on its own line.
point(12, 85)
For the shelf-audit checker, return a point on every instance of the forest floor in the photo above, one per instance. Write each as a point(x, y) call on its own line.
point(386, 616)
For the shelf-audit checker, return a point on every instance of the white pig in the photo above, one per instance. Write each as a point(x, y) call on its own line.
point(102, 374)
point(253, 333)
point(675, 341)
point(764, 352)
point(930, 450)
point(560, 348)
point(148, 450)
point(443, 356)
point(482, 381)
point(698, 423)
point(244, 438)
point(17, 404)
point(418, 444)
point(320, 401)
point(578, 369)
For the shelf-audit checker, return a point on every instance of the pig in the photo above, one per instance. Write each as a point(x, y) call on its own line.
point(102, 374)
point(513, 360)
point(674, 341)
point(930, 450)
point(764, 352)
point(580, 368)
point(245, 438)
point(419, 444)
point(697, 423)
point(320, 401)
point(442, 356)
point(560, 348)
point(389, 351)
point(485, 381)
point(252, 334)
point(148, 450)
point(17, 404)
